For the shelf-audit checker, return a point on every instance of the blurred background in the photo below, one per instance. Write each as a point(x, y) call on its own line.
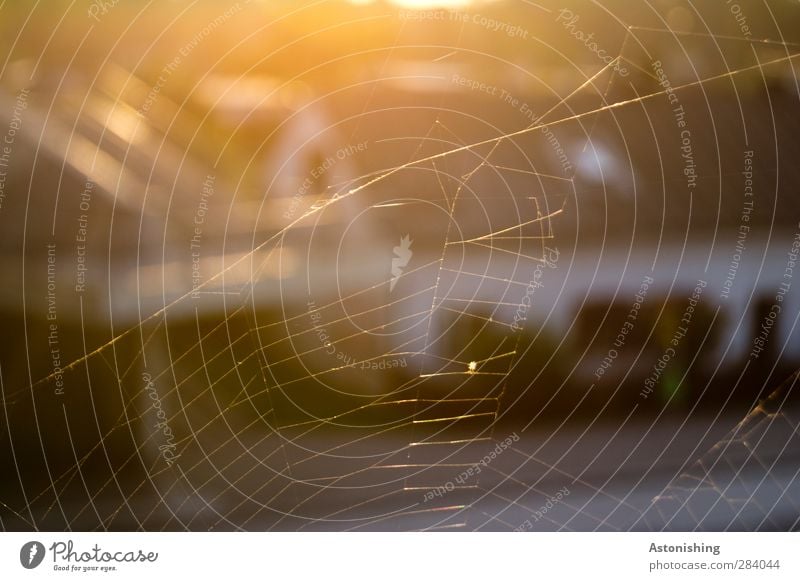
point(372, 265)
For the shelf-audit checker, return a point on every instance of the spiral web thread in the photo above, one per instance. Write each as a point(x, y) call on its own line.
point(279, 477)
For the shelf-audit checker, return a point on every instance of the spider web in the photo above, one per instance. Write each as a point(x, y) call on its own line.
point(349, 409)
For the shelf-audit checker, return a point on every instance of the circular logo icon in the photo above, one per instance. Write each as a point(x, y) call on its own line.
point(31, 554)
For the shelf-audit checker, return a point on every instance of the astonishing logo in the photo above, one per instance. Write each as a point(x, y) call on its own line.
point(402, 254)
point(31, 554)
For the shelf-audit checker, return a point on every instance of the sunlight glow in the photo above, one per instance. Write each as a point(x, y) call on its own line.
point(421, 4)
point(425, 4)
